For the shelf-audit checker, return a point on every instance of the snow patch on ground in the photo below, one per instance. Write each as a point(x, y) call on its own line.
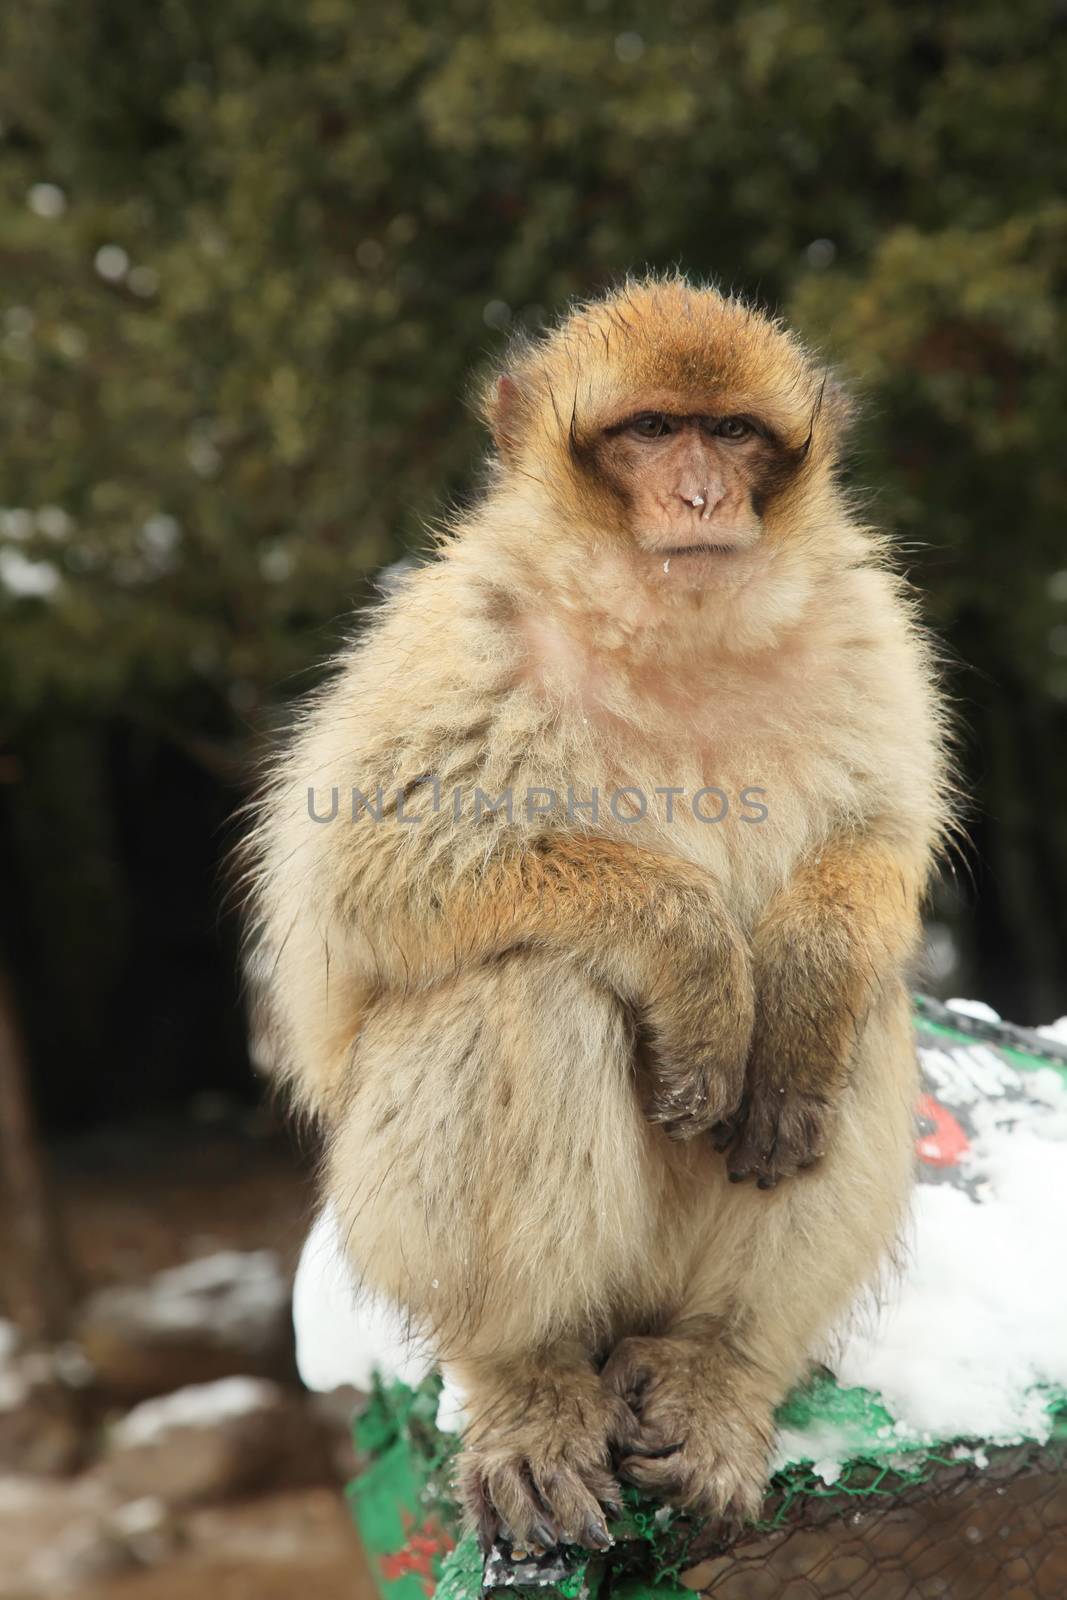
point(199, 1405)
point(232, 1294)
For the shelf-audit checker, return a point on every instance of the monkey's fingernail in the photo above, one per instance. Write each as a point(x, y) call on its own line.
point(736, 1177)
point(545, 1536)
point(766, 1183)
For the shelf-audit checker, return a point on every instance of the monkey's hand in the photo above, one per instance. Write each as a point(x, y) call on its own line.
point(699, 1022)
point(830, 943)
point(778, 1132)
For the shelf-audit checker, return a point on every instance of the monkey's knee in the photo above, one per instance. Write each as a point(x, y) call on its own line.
point(490, 1166)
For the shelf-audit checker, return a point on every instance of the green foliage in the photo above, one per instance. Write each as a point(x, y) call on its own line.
point(304, 216)
point(253, 249)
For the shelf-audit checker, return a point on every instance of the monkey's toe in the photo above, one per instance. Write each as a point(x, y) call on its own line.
point(693, 1445)
point(544, 1477)
point(700, 1481)
point(537, 1504)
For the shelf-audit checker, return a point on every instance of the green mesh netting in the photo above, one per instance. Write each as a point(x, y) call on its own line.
point(952, 1521)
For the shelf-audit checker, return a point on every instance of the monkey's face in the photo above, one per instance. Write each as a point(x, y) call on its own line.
point(673, 429)
point(692, 486)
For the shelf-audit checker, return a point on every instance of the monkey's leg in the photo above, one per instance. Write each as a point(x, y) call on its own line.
point(497, 1180)
point(650, 928)
point(778, 1270)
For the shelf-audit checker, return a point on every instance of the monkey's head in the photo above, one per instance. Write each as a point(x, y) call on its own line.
point(683, 426)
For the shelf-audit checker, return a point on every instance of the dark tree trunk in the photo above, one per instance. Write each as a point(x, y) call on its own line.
point(39, 1290)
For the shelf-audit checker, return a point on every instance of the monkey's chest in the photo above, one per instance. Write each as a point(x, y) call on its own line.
point(744, 790)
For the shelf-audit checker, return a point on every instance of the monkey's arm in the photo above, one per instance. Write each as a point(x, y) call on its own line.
point(653, 929)
point(835, 938)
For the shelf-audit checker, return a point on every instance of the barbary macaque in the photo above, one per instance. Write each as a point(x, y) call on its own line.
point(616, 1090)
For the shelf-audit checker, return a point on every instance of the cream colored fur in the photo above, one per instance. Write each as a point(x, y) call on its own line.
point(487, 1144)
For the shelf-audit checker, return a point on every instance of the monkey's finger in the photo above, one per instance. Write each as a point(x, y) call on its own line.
point(678, 1122)
point(785, 1133)
point(655, 1432)
point(754, 1151)
point(728, 1489)
point(803, 1131)
point(743, 1164)
point(723, 1134)
point(683, 1128)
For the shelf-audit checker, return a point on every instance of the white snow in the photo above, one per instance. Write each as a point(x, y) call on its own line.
point(1055, 1030)
point(232, 1294)
point(21, 576)
point(979, 1323)
point(343, 1332)
point(968, 1341)
point(199, 1405)
point(974, 1008)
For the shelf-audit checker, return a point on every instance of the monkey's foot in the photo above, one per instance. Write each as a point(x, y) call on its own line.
point(536, 1466)
point(700, 1443)
point(778, 1132)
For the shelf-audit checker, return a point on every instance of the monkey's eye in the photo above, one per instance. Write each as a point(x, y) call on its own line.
point(732, 428)
point(650, 425)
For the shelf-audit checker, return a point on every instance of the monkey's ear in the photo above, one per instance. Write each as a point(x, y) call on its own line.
point(502, 406)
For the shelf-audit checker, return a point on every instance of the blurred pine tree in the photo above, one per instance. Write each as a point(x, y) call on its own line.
point(252, 250)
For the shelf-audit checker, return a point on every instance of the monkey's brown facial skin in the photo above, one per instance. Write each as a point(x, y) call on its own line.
point(689, 482)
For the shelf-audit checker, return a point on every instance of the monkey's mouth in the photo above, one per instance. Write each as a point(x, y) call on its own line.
point(698, 550)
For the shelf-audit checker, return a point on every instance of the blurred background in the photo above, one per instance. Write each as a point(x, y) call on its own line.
point(250, 253)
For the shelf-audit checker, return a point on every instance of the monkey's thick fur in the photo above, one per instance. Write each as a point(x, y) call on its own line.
point(540, 1045)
